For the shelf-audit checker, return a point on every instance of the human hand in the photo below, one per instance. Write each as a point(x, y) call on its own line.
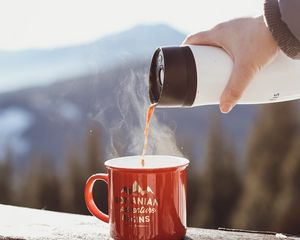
point(250, 45)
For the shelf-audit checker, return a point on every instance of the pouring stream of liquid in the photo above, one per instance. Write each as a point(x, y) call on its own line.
point(146, 131)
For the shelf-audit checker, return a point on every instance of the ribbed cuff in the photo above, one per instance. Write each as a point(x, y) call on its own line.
point(287, 42)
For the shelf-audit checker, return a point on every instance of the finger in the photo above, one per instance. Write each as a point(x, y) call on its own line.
point(201, 38)
point(240, 78)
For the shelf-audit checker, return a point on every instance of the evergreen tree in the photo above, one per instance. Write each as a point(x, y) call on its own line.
point(94, 153)
point(220, 181)
point(194, 188)
point(194, 181)
point(73, 184)
point(77, 172)
point(6, 179)
point(41, 188)
point(95, 164)
point(287, 205)
point(270, 141)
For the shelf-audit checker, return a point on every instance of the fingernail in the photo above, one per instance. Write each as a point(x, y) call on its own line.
point(226, 108)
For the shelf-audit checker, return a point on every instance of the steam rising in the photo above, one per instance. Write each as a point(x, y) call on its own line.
point(127, 131)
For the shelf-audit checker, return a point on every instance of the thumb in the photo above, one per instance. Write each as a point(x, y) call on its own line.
point(201, 38)
point(241, 76)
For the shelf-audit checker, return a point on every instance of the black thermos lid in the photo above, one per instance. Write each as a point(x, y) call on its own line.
point(173, 77)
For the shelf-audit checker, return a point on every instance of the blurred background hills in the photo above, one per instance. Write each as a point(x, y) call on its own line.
point(84, 82)
point(32, 67)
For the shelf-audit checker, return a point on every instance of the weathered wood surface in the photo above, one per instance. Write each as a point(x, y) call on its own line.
point(32, 224)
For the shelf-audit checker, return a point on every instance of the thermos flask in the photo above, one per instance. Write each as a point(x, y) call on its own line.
point(188, 76)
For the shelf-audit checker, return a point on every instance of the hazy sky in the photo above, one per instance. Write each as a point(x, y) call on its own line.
point(52, 23)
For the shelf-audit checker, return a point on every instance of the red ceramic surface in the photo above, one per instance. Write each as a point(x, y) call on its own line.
point(144, 203)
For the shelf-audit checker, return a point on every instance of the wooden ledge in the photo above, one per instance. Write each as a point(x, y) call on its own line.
point(25, 223)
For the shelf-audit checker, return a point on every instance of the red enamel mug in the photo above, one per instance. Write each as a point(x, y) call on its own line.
point(144, 203)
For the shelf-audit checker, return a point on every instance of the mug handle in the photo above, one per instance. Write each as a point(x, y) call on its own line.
point(88, 194)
